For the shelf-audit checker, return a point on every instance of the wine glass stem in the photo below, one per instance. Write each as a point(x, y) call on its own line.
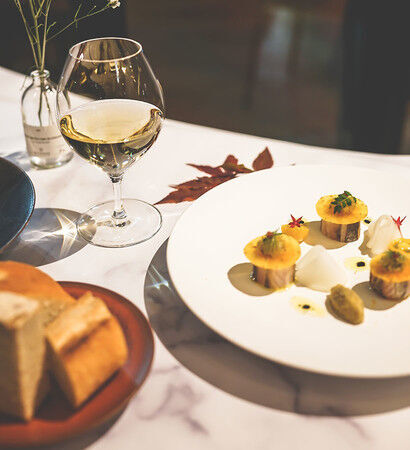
point(119, 215)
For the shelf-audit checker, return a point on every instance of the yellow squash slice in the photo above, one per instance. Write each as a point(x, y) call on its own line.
point(401, 245)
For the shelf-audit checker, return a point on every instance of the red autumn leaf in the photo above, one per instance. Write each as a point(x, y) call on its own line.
point(178, 196)
point(202, 182)
point(231, 165)
point(235, 168)
point(230, 159)
point(263, 161)
point(214, 171)
point(193, 189)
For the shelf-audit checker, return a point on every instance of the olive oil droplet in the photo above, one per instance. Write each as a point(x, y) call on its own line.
point(308, 307)
point(357, 264)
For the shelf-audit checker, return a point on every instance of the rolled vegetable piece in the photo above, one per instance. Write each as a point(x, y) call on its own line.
point(341, 216)
point(349, 232)
point(390, 275)
point(273, 257)
point(274, 279)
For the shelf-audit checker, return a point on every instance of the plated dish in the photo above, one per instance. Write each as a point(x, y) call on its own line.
point(17, 198)
point(97, 351)
point(315, 290)
point(274, 256)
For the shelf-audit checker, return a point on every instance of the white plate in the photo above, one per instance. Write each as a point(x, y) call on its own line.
point(208, 242)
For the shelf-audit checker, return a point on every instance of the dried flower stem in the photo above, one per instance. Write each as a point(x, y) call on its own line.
point(38, 16)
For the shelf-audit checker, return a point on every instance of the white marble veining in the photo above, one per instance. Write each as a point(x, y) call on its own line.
point(203, 392)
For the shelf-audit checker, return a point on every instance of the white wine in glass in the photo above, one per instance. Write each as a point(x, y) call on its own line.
point(114, 117)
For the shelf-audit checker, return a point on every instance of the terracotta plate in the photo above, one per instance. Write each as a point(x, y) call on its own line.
point(56, 421)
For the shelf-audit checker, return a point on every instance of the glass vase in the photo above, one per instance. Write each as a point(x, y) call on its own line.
point(45, 145)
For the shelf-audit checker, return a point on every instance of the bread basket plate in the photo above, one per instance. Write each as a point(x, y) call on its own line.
point(205, 259)
point(56, 421)
point(17, 198)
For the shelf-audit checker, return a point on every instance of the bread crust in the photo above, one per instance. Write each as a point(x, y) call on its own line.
point(82, 366)
point(27, 280)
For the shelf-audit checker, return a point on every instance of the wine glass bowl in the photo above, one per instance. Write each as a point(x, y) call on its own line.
point(114, 116)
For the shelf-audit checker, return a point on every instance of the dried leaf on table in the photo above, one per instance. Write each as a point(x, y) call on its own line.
point(230, 159)
point(214, 171)
point(236, 168)
point(203, 182)
point(193, 189)
point(263, 161)
point(181, 195)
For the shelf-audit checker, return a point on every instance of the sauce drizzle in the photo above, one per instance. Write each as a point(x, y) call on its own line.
point(307, 307)
point(357, 263)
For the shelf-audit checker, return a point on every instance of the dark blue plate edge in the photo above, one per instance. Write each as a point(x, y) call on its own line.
point(33, 202)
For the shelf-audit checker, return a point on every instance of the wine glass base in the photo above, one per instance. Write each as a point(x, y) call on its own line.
point(98, 227)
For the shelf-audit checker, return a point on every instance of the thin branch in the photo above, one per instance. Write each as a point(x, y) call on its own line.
point(76, 20)
point(36, 29)
point(51, 26)
point(39, 8)
point(43, 55)
point(26, 26)
point(76, 14)
point(38, 24)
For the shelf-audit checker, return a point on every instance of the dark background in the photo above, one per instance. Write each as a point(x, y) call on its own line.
point(331, 73)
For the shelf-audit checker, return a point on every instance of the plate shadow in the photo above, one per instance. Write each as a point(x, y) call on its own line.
point(247, 376)
point(19, 158)
point(50, 235)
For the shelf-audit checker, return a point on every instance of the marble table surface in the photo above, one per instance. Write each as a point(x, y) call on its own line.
point(203, 392)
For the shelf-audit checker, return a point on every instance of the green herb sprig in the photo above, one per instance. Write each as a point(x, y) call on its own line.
point(343, 200)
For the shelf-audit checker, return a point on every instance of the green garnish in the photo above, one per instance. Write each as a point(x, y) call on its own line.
point(343, 200)
point(269, 243)
point(393, 261)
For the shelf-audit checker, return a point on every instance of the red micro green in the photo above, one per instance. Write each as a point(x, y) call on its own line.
point(399, 222)
point(295, 222)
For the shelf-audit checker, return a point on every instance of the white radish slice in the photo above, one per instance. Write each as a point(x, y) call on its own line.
point(318, 270)
point(380, 234)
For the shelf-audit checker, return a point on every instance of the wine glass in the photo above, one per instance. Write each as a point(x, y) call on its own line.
point(113, 116)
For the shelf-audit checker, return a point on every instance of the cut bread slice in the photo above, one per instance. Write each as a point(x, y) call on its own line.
point(32, 282)
point(87, 346)
point(23, 381)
